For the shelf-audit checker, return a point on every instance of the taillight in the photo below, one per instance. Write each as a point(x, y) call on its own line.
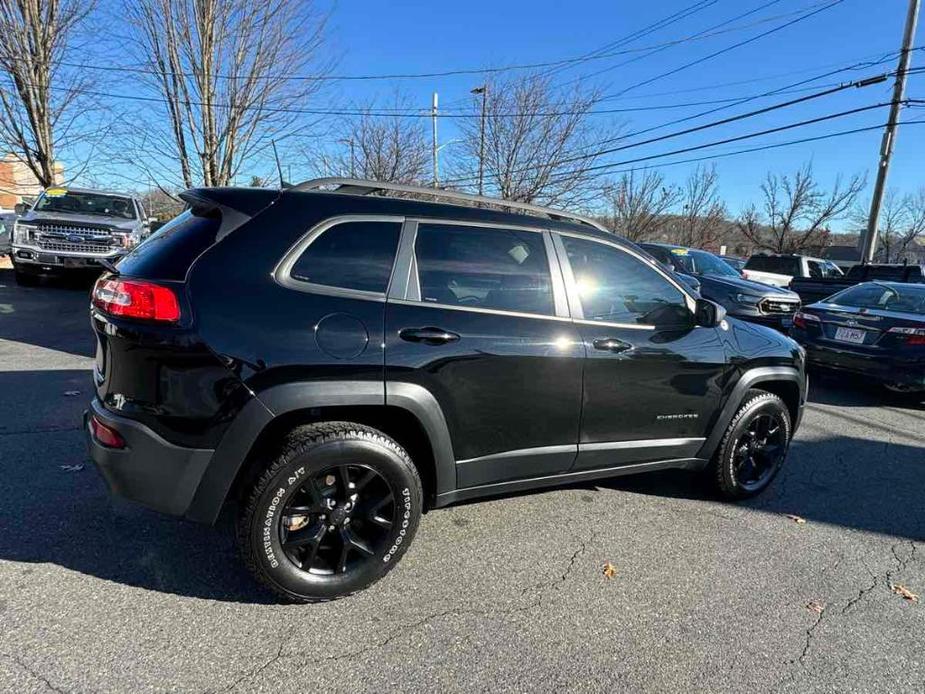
point(910, 336)
point(106, 435)
point(136, 299)
point(801, 319)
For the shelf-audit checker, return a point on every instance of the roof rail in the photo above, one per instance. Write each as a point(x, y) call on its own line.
point(356, 186)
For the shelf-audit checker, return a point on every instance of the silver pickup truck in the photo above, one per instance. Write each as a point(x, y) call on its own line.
point(70, 229)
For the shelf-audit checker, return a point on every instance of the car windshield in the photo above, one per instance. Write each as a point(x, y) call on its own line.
point(885, 297)
point(98, 204)
point(703, 263)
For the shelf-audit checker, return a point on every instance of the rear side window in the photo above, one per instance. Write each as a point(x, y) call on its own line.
point(476, 267)
point(168, 253)
point(351, 255)
point(776, 264)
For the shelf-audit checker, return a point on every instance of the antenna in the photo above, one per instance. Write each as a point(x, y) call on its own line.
point(279, 167)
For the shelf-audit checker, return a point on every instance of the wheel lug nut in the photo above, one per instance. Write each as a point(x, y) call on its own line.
point(331, 528)
point(330, 480)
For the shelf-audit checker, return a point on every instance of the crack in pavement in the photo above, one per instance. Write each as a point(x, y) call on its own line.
point(260, 668)
point(37, 675)
point(40, 430)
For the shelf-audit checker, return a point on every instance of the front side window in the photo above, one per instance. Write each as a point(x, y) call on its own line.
point(617, 287)
point(351, 255)
point(474, 267)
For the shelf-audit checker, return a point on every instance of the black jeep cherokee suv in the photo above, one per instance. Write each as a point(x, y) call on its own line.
point(340, 356)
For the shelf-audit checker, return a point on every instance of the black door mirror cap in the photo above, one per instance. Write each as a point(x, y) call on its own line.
point(708, 313)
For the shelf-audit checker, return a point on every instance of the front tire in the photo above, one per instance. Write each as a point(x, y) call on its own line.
point(331, 514)
point(754, 446)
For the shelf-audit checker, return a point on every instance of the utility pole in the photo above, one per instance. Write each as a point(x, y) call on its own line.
point(434, 118)
point(483, 90)
point(869, 241)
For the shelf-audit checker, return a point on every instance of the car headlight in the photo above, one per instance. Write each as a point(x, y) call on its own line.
point(747, 299)
point(19, 233)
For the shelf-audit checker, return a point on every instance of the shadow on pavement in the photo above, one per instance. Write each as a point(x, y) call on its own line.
point(53, 315)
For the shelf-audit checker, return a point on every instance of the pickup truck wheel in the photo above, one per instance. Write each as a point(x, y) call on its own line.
point(331, 514)
point(754, 446)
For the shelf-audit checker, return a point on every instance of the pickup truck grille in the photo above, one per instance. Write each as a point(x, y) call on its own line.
point(73, 238)
point(778, 306)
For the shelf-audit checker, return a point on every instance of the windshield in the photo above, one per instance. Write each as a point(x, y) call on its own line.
point(884, 297)
point(700, 263)
point(70, 202)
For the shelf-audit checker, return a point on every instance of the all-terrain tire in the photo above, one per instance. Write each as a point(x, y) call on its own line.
point(724, 471)
point(325, 449)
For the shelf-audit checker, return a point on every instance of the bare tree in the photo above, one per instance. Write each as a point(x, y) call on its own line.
point(702, 217)
point(224, 70)
point(537, 142)
point(380, 148)
point(902, 222)
point(795, 212)
point(40, 112)
point(639, 203)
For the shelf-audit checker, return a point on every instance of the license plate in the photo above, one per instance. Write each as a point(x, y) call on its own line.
point(48, 258)
point(850, 335)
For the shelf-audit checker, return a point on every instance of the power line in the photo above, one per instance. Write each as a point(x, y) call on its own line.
point(750, 150)
point(725, 121)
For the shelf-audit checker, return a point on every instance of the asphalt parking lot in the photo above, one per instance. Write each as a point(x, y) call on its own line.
point(500, 595)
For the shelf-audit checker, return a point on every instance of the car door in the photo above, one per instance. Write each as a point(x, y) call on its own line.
point(652, 380)
point(482, 324)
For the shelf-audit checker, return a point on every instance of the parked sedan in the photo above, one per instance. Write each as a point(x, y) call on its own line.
point(876, 329)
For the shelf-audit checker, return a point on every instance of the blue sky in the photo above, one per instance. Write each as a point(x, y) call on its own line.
point(418, 36)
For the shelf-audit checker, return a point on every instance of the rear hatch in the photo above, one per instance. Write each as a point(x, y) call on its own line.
point(154, 367)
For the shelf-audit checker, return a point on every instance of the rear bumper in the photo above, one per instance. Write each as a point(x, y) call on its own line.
point(879, 367)
point(149, 470)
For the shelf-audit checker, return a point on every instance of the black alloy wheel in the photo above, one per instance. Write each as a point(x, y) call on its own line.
point(759, 450)
point(339, 518)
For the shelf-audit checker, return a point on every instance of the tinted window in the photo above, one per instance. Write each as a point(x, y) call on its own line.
point(903, 298)
point(484, 268)
point(352, 255)
point(815, 269)
point(770, 263)
point(615, 286)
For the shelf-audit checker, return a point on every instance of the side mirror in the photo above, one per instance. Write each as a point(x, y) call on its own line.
point(20, 208)
point(708, 314)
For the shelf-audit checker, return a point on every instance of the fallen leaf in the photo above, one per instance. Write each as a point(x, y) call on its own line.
point(71, 393)
point(71, 468)
point(609, 570)
point(815, 606)
point(796, 519)
point(904, 592)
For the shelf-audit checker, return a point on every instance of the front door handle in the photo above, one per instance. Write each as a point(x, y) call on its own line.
point(429, 336)
point(611, 344)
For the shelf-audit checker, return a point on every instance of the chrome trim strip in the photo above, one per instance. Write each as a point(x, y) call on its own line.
point(522, 453)
point(404, 262)
point(555, 272)
point(644, 443)
point(607, 324)
point(282, 272)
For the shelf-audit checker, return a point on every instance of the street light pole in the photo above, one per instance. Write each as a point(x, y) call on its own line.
point(483, 90)
point(436, 149)
point(869, 242)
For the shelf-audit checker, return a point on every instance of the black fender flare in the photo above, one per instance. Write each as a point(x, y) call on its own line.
point(260, 411)
point(734, 401)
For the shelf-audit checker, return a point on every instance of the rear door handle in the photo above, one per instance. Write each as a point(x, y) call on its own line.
point(612, 344)
point(429, 336)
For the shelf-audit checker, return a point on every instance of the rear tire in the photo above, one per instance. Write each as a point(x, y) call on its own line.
point(754, 447)
point(332, 512)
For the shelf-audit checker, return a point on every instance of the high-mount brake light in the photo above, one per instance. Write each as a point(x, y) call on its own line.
point(136, 299)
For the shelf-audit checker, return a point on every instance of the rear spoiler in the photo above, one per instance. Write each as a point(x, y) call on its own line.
point(234, 206)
